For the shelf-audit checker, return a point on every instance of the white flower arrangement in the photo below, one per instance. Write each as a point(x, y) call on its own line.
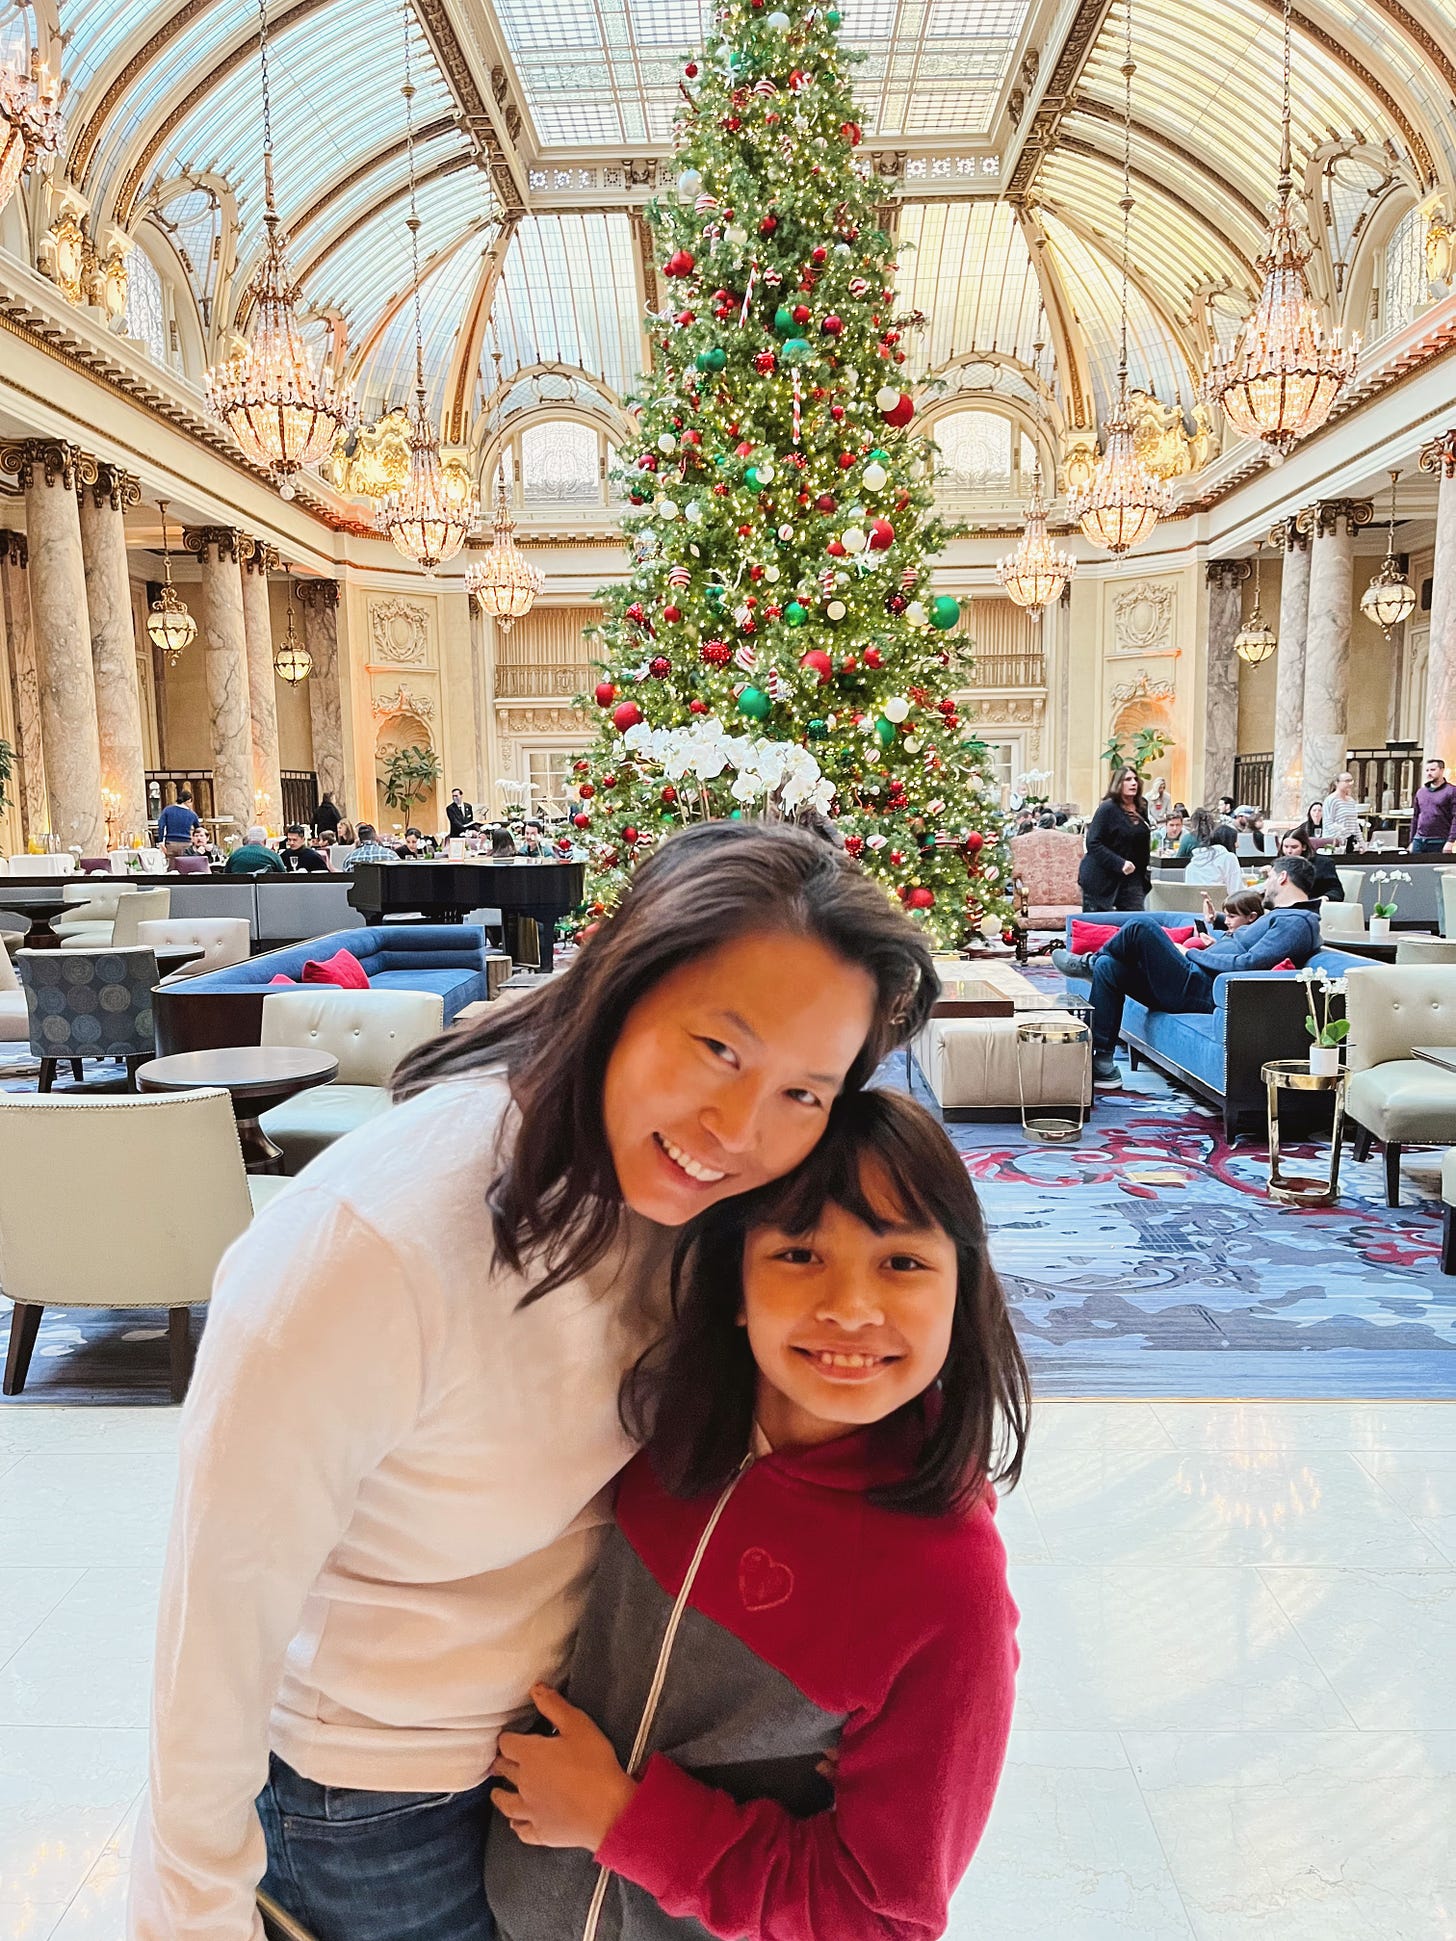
point(1385, 905)
point(782, 774)
point(1318, 1024)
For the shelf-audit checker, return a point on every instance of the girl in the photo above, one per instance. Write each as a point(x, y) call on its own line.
point(805, 1561)
point(406, 1404)
point(1113, 874)
point(1244, 907)
point(1327, 884)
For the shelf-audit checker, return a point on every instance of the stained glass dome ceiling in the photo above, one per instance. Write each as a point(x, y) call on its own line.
point(994, 124)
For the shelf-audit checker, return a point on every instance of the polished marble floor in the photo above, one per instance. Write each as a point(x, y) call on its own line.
point(1237, 1713)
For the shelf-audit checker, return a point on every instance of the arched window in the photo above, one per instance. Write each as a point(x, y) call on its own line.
point(1404, 288)
point(983, 457)
point(561, 463)
point(146, 307)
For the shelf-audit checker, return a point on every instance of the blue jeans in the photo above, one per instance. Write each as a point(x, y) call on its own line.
point(357, 1866)
point(1425, 845)
point(1138, 961)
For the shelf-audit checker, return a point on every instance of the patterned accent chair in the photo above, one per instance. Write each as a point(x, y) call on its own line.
point(1045, 862)
point(88, 1004)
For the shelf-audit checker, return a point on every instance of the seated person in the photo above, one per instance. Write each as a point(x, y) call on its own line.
point(502, 842)
point(1226, 810)
point(1170, 837)
point(201, 844)
point(1239, 910)
point(370, 849)
point(1141, 961)
point(414, 844)
point(253, 857)
point(299, 855)
point(1209, 848)
point(1327, 885)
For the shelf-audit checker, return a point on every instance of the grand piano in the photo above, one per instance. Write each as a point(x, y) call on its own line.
point(517, 886)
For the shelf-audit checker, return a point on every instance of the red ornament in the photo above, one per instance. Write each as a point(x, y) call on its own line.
point(626, 715)
point(685, 317)
point(629, 835)
point(680, 263)
point(846, 459)
point(826, 502)
point(693, 437)
point(669, 795)
point(852, 133)
point(659, 667)
point(873, 657)
point(900, 415)
point(764, 362)
point(745, 450)
point(822, 665)
point(835, 549)
point(850, 666)
point(717, 653)
point(768, 225)
point(882, 535)
point(732, 124)
point(975, 843)
point(802, 313)
point(697, 707)
point(897, 858)
point(921, 898)
point(605, 694)
point(836, 412)
point(581, 822)
point(586, 790)
point(672, 613)
point(691, 70)
point(820, 254)
point(832, 325)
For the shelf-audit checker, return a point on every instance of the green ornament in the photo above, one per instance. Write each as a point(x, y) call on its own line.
point(798, 350)
point(714, 594)
point(754, 702)
point(752, 480)
point(885, 730)
point(818, 730)
point(795, 614)
point(783, 320)
point(878, 457)
point(832, 18)
point(711, 360)
point(944, 612)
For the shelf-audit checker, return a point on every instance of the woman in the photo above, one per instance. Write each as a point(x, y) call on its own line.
point(1313, 826)
point(1113, 874)
point(1160, 803)
point(405, 1407)
point(1327, 882)
point(327, 817)
point(1212, 859)
point(1343, 827)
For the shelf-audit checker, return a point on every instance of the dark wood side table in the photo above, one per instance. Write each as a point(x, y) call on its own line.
point(258, 1077)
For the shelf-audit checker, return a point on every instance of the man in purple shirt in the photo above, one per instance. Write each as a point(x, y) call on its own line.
point(1435, 807)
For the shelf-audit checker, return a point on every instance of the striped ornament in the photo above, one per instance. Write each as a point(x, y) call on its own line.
point(705, 203)
point(776, 687)
point(768, 89)
point(746, 657)
point(679, 576)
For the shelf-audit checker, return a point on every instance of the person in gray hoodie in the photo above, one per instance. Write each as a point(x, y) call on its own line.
point(1141, 961)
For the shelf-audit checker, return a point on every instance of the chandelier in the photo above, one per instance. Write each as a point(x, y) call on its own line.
point(428, 518)
point(1280, 379)
point(1036, 572)
point(1389, 598)
point(169, 625)
point(293, 662)
point(282, 413)
point(1256, 640)
point(505, 583)
point(1124, 500)
point(30, 121)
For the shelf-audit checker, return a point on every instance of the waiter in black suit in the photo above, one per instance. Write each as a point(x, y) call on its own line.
point(459, 813)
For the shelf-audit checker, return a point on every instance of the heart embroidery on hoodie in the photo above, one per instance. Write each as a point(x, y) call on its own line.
point(762, 1583)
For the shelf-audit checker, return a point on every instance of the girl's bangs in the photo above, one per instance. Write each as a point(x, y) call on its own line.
point(923, 1178)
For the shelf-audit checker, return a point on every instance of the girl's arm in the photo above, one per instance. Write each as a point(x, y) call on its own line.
point(309, 1372)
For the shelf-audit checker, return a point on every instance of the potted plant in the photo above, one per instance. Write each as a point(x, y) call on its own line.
point(1385, 904)
point(1328, 1033)
point(409, 775)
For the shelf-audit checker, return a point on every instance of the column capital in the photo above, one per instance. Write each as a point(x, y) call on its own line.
point(260, 557)
point(227, 541)
point(1285, 534)
point(1325, 517)
point(111, 486)
point(1226, 572)
point(323, 594)
point(53, 458)
point(13, 549)
point(1440, 455)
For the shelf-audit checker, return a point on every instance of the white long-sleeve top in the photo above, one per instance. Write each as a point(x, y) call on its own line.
point(1341, 819)
point(391, 1496)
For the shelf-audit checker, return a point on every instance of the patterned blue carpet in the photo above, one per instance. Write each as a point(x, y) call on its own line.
point(1144, 1261)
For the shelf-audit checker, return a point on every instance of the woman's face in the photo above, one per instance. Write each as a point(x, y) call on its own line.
point(1129, 785)
point(846, 1324)
point(1316, 814)
point(724, 1073)
point(1291, 846)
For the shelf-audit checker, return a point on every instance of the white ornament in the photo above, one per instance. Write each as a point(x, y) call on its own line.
point(772, 575)
point(990, 927)
point(693, 513)
point(876, 841)
point(765, 471)
point(841, 249)
point(836, 609)
point(853, 539)
point(667, 442)
point(917, 616)
point(886, 398)
point(912, 744)
point(875, 478)
point(735, 235)
point(786, 532)
point(688, 184)
point(667, 508)
point(779, 22)
point(896, 708)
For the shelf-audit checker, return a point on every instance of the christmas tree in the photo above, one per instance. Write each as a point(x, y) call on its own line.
point(779, 641)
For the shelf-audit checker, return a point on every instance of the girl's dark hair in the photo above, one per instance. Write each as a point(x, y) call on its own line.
point(691, 1399)
point(1203, 826)
point(1301, 836)
point(1244, 903)
point(558, 1197)
point(1114, 792)
point(1224, 838)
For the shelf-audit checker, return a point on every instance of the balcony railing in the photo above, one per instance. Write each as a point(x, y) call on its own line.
point(536, 683)
point(1008, 670)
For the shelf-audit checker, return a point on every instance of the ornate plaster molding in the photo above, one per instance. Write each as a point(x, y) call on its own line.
point(56, 459)
point(1142, 619)
point(114, 487)
point(1286, 536)
point(1325, 517)
point(399, 632)
point(323, 594)
point(1440, 455)
point(1226, 572)
point(226, 541)
point(404, 700)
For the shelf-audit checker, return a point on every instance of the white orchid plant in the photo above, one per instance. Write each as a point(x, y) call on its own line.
point(1325, 1031)
point(1385, 904)
point(782, 775)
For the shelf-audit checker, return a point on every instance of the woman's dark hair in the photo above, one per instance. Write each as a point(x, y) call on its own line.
point(709, 885)
point(1114, 792)
point(1306, 847)
point(1202, 824)
point(1225, 838)
point(691, 1398)
point(1244, 903)
point(1315, 808)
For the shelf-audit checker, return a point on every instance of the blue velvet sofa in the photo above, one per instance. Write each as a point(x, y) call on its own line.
point(225, 1007)
point(1220, 1054)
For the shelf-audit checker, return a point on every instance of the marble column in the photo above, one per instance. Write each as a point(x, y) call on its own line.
point(258, 560)
point(1288, 790)
point(28, 779)
point(1440, 722)
point(1225, 578)
point(113, 645)
point(1331, 525)
point(225, 646)
point(320, 602)
point(49, 471)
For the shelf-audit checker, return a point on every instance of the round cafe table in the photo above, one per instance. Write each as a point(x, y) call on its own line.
point(257, 1077)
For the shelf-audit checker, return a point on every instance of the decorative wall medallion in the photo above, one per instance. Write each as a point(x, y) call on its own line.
point(399, 632)
point(1142, 619)
point(1144, 688)
point(405, 701)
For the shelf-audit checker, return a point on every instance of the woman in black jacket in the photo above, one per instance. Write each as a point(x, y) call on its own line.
point(1114, 872)
point(1327, 882)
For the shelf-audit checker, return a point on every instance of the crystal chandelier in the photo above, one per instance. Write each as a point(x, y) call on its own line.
point(293, 662)
point(281, 412)
point(1036, 572)
point(428, 518)
point(169, 625)
point(505, 583)
point(1124, 500)
point(30, 121)
point(1389, 598)
point(1280, 380)
point(1256, 640)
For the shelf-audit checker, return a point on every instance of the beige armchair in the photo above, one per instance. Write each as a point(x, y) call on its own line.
point(125, 1154)
point(1340, 921)
point(1178, 896)
point(222, 940)
point(1392, 1095)
point(90, 911)
point(129, 907)
point(14, 1016)
point(1352, 882)
point(369, 1032)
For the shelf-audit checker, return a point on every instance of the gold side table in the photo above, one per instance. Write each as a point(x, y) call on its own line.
point(1059, 1027)
point(1294, 1075)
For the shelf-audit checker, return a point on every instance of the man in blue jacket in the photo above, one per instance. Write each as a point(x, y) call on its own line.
point(1141, 961)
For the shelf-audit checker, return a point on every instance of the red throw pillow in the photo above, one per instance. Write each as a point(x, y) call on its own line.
point(1286, 963)
point(1182, 936)
point(281, 979)
point(1088, 938)
point(342, 969)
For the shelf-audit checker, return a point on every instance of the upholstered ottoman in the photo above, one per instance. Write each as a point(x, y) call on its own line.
point(978, 1067)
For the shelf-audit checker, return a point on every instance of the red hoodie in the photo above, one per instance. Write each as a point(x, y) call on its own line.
point(814, 1619)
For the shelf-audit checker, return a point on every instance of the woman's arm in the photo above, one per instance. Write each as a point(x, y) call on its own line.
point(1098, 848)
point(310, 1371)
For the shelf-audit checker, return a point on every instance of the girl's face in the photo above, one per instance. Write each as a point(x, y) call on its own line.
point(846, 1325)
point(1233, 921)
point(723, 1074)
